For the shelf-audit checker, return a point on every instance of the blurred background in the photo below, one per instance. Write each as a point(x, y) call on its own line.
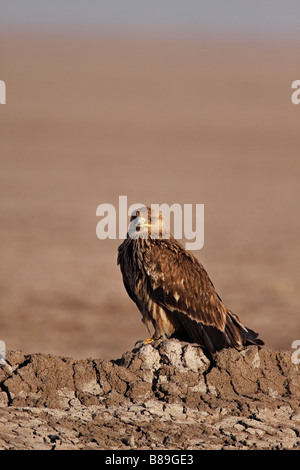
point(169, 101)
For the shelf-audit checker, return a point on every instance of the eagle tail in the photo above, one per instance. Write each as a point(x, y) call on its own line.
point(251, 337)
point(214, 339)
point(248, 336)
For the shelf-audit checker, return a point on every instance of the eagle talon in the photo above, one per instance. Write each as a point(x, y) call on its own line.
point(148, 340)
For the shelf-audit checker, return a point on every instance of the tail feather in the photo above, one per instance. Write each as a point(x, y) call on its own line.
point(251, 337)
point(248, 336)
point(212, 338)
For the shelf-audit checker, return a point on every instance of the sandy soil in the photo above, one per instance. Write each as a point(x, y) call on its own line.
point(160, 120)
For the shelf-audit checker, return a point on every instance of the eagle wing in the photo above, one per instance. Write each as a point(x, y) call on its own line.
point(178, 282)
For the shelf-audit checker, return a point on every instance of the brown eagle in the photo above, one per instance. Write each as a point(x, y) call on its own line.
point(172, 289)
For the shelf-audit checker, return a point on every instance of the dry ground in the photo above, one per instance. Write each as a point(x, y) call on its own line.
point(166, 395)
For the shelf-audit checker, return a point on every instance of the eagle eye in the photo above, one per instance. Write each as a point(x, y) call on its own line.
point(134, 216)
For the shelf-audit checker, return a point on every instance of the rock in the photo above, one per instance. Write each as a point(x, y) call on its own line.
point(163, 395)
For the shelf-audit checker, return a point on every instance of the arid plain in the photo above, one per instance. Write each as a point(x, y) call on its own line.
point(160, 120)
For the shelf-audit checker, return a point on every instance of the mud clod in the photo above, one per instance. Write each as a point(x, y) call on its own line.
point(165, 395)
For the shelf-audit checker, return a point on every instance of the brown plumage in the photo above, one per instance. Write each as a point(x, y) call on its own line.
point(172, 289)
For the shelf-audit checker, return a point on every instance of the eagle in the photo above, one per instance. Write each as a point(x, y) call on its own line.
point(172, 289)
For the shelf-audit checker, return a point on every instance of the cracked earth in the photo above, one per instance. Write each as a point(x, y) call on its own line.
point(164, 395)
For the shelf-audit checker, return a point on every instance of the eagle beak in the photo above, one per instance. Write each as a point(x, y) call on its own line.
point(141, 222)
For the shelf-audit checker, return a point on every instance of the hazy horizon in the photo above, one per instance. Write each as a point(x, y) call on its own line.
point(258, 18)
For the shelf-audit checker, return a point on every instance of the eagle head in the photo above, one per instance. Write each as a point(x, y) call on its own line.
point(148, 223)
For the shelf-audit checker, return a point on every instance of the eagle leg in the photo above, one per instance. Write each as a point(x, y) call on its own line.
point(148, 340)
point(155, 337)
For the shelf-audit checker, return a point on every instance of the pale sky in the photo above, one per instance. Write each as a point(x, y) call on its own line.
point(209, 17)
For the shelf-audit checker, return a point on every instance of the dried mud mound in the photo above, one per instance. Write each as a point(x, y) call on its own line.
point(164, 395)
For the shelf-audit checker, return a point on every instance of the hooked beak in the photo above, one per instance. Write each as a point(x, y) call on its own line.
point(141, 222)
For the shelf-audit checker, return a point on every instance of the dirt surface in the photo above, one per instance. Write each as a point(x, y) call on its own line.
point(164, 395)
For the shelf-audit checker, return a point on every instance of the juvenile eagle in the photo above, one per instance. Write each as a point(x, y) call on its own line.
point(172, 289)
